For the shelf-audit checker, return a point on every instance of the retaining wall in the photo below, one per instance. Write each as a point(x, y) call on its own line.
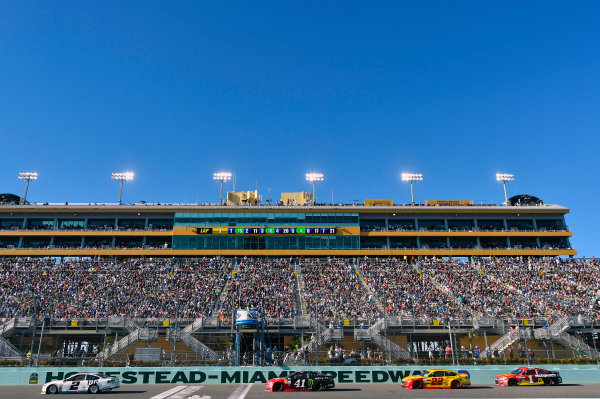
point(259, 375)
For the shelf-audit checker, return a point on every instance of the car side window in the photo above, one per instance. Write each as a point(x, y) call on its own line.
point(91, 377)
point(79, 377)
point(530, 372)
point(437, 374)
point(450, 374)
point(72, 378)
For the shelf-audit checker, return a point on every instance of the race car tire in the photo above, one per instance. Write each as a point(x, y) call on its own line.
point(278, 387)
point(316, 386)
point(512, 382)
point(417, 384)
point(52, 389)
point(93, 389)
point(454, 384)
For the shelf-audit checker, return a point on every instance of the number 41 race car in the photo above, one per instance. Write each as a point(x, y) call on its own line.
point(301, 381)
point(83, 382)
point(437, 379)
point(528, 376)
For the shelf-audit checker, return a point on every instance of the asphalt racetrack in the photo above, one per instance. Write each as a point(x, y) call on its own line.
point(343, 391)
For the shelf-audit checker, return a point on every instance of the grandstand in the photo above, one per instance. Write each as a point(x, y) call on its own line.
point(98, 283)
point(402, 307)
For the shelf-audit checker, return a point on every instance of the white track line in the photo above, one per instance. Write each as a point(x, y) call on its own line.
point(171, 391)
point(240, 392)
point(187, 391)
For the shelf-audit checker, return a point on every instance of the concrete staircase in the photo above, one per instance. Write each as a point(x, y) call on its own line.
point(299, 290)
point(322, 337)
point(557, 332)
point(374, 298)
point(7, 350)
point(508, 339)
point(185, 336)
point(227, 286)
point(136, 334)
point(373, 334)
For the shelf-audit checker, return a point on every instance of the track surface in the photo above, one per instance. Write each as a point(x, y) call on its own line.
point(344, 391)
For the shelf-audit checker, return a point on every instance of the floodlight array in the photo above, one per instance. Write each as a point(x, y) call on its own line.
point(412, 177)
point(504, 177)
point(222, 176)
point(314, 177)
point(28, 175)
point(122, 176)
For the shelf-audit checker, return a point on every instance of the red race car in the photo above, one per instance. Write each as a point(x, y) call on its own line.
point(528, 376)
point(301, 381)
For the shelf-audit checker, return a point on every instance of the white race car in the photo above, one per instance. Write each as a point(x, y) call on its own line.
point(83, 382)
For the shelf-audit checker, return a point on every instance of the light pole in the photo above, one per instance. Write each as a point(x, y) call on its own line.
point(221, 177)
point(27, 176)
point(504, 178)
point(122, 176)
point(314, 178)
point(412, 177)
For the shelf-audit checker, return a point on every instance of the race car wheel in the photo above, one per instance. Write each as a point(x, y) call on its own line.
point(417, 384)
point(52, 389)
point(454, 384)
point(548, 381)
point(278, 387)
point(316, 386)
point(512, 382)
point(93, 389)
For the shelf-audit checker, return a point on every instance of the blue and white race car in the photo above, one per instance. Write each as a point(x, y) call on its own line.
point(82, 382)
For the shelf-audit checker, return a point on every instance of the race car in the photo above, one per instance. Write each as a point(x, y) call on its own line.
point(528, 376)
point(82, 382)
point(301, 381)
point(437, 379)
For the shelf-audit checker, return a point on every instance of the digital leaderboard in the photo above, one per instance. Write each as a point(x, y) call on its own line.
point(266, 230)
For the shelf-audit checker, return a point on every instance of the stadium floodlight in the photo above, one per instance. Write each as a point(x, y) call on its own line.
point(122, 176)
point(27, 176)
point(504, 178)
point(314, 178)
point(412, 177)
point(221, 177)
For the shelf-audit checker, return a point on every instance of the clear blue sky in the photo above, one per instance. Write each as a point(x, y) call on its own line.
point(358, 91)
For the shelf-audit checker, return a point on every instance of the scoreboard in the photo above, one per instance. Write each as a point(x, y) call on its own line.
point(267, 230)
point(282, 230)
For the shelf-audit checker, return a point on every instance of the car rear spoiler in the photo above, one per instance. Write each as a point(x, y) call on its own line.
point(465, 372)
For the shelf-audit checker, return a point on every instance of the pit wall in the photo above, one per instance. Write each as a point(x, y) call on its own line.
point(259, 375)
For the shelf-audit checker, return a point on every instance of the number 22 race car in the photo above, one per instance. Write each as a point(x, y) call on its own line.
point(301, 381)
point(528, 376)
point(437, 379)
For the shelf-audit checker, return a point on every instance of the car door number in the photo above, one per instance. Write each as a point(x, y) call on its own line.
point(436, 381)
point(74, 386)
point(300, 383)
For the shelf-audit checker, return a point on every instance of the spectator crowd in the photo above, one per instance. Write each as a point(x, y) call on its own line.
point(331, 289)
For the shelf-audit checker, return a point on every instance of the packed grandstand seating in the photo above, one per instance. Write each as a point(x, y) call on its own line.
point(140, 288)
point(332, 289)
point(262, 284)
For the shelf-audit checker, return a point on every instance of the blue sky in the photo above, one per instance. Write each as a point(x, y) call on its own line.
point(271, 90)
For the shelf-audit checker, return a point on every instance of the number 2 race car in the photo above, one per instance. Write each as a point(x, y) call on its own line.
point(437, 379)
point(83, 382)
point(528, 376)
point(301, 381)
